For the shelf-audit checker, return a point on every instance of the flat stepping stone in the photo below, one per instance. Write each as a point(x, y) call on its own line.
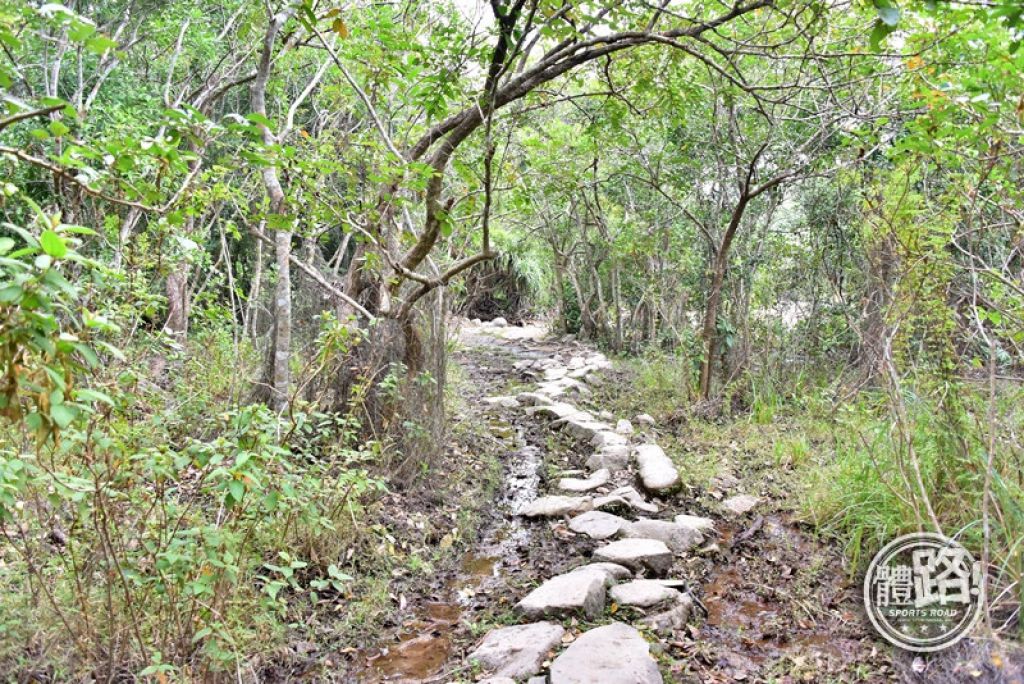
point(584, 427)
point(740, 504)
point(613, 457)
point(695, 522)
point(644, 419)
point(555, 373)
point(613, 654)
point(611, 571)
point(626, 497)
point(676, 537)
point(643, 593)
point(657, 471)
point(555, 505)
point(638, 554)
point(575, 484)
point(572, 593)
point(624, 427)
point(517, 652)
point(598, 524)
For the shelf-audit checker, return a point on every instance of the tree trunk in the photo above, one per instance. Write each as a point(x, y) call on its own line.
point(721, 263)
point(281, 348)
point(177, 303)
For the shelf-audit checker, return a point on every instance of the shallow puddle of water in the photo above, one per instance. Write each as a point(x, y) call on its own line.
point(479, 566)
point(417, 657)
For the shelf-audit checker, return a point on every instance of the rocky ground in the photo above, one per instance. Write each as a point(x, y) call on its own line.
point(600, 563)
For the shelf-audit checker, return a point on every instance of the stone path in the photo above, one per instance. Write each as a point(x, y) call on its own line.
point(614, 500)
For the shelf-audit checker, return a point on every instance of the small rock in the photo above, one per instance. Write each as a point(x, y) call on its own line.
point(575, 484)
point(614, 457)
point(657, 471)
point(642, 593)
point(676, 537)
point(541, 679)
point(672, 619)
point(637, 554)
point(517, 651)
point(497, 680)
point(740, 504)
point(476, 321)
point(573, 592)
point(606, 415)
point(644, 419)
point(577, 362)
point(613, 654)
point(597, 524)
point(499, 322)
point(695, 522)
point(725, 481)
point(554, 506)
point(624, 427)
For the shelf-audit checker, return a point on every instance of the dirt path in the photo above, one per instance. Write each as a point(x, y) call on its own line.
point(742, 594)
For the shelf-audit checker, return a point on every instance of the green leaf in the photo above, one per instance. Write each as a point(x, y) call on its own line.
point(99, 44)
point(93, 395)
point(6, 245)
point(237, 490)
point(58, 128)
point(53, 244)
point(62, 415)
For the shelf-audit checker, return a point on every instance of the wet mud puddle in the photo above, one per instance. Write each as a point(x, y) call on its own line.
point(426, 641)
point(760, 616)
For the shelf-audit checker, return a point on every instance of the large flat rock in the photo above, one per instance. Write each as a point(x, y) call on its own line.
point(554, 506)
point(575, 592)
point(517, 652)
point(637, 554)
point(643, 593)
point(657, 471)
point(583, 427)
point(607, 438)
point(597, 524)
point(575, 484)
point(676, 537)
point(613, 654)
